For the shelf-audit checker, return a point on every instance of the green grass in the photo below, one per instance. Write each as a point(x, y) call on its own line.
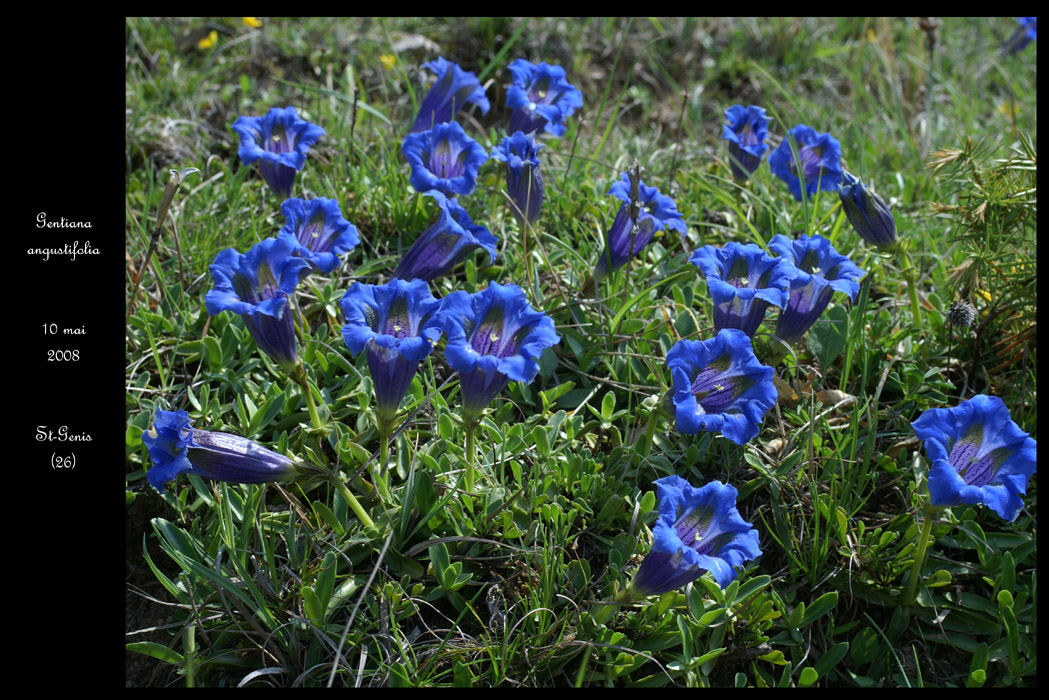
point(280, 585)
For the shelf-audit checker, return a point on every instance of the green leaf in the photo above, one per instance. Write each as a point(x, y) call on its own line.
point(751, 587)
point(938, 579)
point(133, 436)
point(325, 515)
point(648, 501)
point(864, 646)
point(551, 395)
point(608, 406)
point(312, 605)
point(542, 442)
point(157, 651)
point(399, 676)
point(828, 335)
point(822, 605)
point(774, 657)
point(440, 560)
point(831, 658)
point(712, 654)
point(461, 677)
point(266, 413)
point(978, 667)
point(326, 580)
point(808, 677)
point(1007, 575)
point(686, 637)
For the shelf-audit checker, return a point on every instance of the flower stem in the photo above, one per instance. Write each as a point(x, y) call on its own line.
point(645, 445)
point(352, 500)
point(912, 286)
point(919, 558)
point(469, 455)
point(300, 377)
point(385, 429)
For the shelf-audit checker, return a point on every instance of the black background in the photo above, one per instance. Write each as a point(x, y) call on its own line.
point(63, 119)
point(70, 155)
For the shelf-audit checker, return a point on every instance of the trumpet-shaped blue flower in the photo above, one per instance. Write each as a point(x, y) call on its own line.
point(398, 325)
point(258, 286)
point(978, 455)
point(745, 129)
point(657, 213)
point(524, 182)
point(1024, 35)
point(443, 158)
point(454, 89)
point(445, 244)
point(821, 271)
point(819, 156)
point(743, 281)
point(176, 447)
point(868, 213)
point(280, 142)
point(720, 386)
point(698, 530)
point(494, 336)
point(319, 232)
point(541, 97)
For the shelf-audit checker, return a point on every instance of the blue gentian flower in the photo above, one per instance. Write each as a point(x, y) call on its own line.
point(524, 182)
point(541, 98)
point(494, 336)
point(868, 213)
point(1024, 35)
point(447, 242)
point(454, 88)
point(719, 385)
point(318, 230)
point(443, 158)
point(745, 129)
point(176, 447)
point(658, 212)
point(397, 323)
point(280, 141)
point(978, 455)
point(698, 530)
point(258, 286)
point(743, 281)
point(820, 156)
point(821, 271)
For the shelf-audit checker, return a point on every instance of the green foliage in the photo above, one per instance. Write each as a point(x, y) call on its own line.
point(516, 583)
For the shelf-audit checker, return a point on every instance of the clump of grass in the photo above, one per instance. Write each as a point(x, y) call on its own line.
point(511, 584)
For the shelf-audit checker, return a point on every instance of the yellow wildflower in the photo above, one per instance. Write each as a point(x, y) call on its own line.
point(388, 60)
point(1005, 108)
point(252, 22)
point(208, 41)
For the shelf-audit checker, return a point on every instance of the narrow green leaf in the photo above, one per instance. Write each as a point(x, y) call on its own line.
point(157, 651)
point(831, 658)
point(326, 580)
point(325, 514)
point(312, 605)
